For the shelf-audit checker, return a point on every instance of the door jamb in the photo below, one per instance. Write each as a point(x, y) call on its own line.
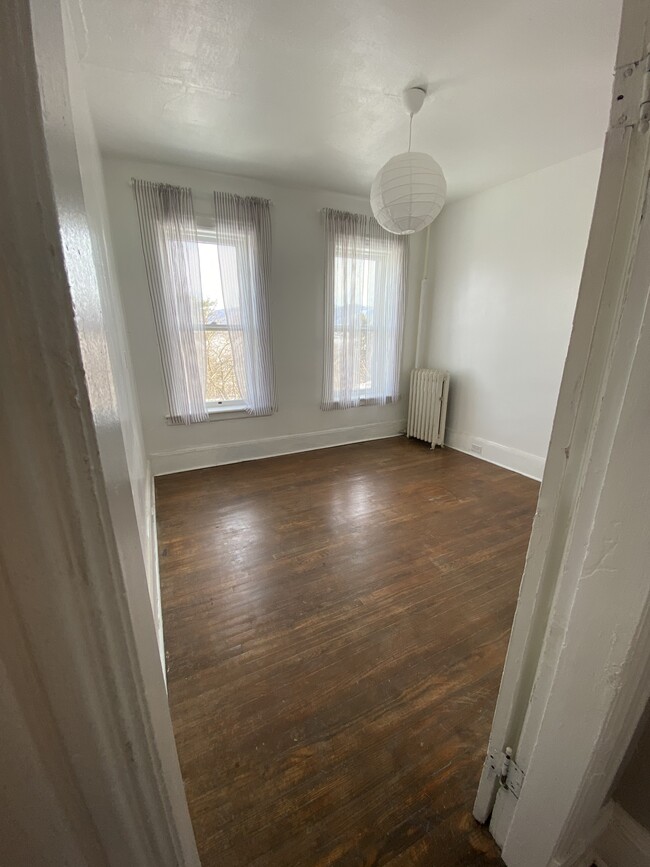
point(529, 672)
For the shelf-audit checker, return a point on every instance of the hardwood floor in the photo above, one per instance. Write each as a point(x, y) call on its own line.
point(336, 624)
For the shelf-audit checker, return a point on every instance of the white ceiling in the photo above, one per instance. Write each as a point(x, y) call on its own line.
point(308, 92)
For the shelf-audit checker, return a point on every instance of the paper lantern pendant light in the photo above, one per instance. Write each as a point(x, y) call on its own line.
point(409, 191)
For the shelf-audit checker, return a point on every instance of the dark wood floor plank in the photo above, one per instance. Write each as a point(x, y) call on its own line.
point(336, 624)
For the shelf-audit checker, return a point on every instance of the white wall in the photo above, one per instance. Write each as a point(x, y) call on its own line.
point(102, 333)
point(503, 281)
point(296, 321)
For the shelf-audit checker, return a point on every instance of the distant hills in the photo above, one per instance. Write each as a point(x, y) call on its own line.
point(217, 316)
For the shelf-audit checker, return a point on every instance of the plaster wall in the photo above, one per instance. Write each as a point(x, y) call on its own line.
point(504, 274)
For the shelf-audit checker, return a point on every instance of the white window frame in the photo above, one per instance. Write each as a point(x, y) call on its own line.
point(376, 255)
point(206, 234)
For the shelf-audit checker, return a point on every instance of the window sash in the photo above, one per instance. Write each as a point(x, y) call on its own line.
point(365, 287)
point(377, 256)
point(213, 403)
point(209, 236)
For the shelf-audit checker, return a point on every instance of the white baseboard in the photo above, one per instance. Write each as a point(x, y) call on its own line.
point(179, 460)
point(503, 456)
point(623, 843)
point(583, 851)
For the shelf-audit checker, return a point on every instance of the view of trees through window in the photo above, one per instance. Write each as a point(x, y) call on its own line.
point(354, 328)
point(361, 350)
point(220, 380)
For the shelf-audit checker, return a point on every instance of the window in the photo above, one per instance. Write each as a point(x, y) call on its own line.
point(221, 386)
point(364, 303)
point(361, 318)
point(237, 323)
point(209, 292)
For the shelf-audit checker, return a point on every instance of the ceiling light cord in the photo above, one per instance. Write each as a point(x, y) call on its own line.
point(409, 190)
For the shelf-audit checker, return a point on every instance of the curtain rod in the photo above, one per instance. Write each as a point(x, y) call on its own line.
point(343, 212)
point(166, 184)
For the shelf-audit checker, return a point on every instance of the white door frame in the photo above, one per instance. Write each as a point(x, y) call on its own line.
point(572, 689)
point(95, 780)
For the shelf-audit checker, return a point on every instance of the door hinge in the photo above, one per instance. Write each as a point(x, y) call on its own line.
point(506, 769)
point(631, 97)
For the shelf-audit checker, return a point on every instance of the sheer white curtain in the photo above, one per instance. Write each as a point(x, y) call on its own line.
point(365, 287)
point(243, 226)
point(171, 254)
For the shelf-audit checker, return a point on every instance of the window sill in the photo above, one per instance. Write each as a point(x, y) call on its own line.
point(217, 413)
point(364, 401)
point(222, 412)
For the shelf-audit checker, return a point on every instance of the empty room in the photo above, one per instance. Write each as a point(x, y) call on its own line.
point(345, 300)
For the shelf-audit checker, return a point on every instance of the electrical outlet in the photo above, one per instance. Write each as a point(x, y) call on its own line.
point(476, 448)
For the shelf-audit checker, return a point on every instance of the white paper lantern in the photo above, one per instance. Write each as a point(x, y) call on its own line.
point(408, 193)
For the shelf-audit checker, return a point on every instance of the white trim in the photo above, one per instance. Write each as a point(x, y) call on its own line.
point(592, 676)
point(577, 673)
point(585, 854)
point(624, 842)
point(154, 577)
point(179, 460)
point(215, 414)
point(215, 407)
point(524, 463)
point(76, 638)
point(227, 413)
point(152, 566)
point(602, 293)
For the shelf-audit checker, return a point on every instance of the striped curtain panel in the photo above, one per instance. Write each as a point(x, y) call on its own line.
point(365, 289)
point(243, 226)
point(171, 254)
